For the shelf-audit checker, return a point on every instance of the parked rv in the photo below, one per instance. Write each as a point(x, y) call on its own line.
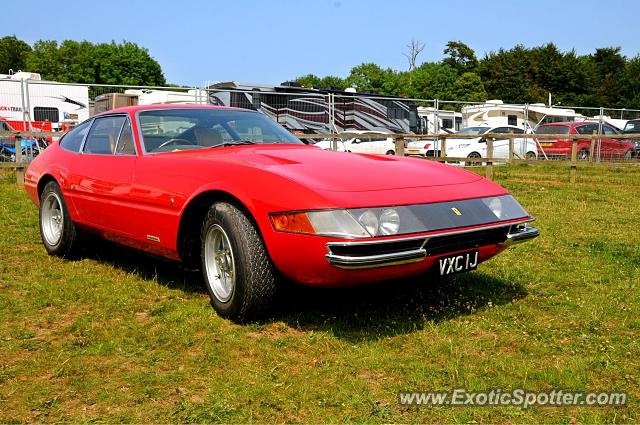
point(306, 110)
point(527, 117)
point(49, 105)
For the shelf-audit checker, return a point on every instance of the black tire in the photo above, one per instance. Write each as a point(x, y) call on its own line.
point(473, 155)
point(531, 156)
point(67, 243)
point(583, 155)
point(253, 287)
point(628, 155)
point(390, 153)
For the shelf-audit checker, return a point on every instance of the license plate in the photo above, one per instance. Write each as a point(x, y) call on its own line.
point(458, 263)
point(546, 144)
point(413, 151)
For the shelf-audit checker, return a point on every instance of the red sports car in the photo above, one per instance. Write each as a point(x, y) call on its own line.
point(233, 193)
point(561, 148)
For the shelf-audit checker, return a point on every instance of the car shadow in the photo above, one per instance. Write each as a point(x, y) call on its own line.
point(394, 307)
point(356, 313)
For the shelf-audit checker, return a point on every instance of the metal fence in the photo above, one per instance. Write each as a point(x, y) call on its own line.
point(34, 112)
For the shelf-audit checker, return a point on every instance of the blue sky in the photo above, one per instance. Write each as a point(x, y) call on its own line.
point(275, 41)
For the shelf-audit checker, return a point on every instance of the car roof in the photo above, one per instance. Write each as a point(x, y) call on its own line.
point(136, 108)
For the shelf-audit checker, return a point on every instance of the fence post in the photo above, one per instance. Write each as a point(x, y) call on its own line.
point(443, 149)
point(334, 144)
point(574, 160)
point(399, 142)
point(511, 147)
point(593, 145)
point(18, 159)
point(490, 158)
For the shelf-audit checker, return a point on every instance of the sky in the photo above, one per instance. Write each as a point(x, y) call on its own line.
point(265, 41)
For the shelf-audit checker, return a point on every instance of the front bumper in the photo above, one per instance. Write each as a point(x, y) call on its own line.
point(390, 252)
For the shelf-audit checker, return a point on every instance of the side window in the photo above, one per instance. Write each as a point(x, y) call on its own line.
point(72, 141)
point(608, 130)
point(517, 131)
point(103, 135)
point(125, 142)
point(501, 130)
point(587, 129)
point(512, 119)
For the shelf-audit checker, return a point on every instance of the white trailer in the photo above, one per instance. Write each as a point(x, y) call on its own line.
point(27, 102)
point(495, 113)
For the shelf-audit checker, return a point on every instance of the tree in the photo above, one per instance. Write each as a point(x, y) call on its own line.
point(84, 62)
point(13, 54)
point(462, 58)
point(469, 87)
point(433, 81)
point(308, 81)
point(368, 77)
point(415, 48)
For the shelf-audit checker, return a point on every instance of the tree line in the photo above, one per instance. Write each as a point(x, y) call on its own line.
point(518, 75)
point(71, 61)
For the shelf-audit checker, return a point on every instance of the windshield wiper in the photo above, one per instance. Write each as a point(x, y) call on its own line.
point(234, 143)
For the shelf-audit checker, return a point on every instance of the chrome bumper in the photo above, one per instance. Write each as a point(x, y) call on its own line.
point(520, 234)
point(390, 252)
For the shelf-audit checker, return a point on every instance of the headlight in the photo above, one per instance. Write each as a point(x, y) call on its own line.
point(370, 221)
point(389, 222)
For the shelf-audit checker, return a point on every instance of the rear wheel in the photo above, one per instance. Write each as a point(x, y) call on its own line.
point(531, 156)
point(390, 152)
point(238, 273)
point(59, 234)
point(583, 155)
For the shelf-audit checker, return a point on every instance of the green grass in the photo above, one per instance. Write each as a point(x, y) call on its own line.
point(120, 337)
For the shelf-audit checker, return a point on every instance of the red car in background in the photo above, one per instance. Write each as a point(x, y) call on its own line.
point(231, 192)
point(561, 148)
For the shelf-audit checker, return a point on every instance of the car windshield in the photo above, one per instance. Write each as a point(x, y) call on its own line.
point(473, 130)
point(168, 130)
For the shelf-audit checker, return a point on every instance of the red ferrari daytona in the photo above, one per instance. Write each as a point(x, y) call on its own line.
point(233, 193)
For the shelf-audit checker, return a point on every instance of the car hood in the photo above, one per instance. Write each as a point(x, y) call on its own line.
point(340, 171)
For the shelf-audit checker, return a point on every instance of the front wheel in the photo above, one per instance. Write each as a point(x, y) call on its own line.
point(390, 152)
point(238, 272)
point(583, 155)
point(59, 234)
point(530, 156)
point(473, 155)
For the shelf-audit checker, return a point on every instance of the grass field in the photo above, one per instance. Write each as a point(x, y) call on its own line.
point(120, 337)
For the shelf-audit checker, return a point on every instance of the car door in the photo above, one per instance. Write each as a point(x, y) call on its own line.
point(611, 148)
point(501, 144)
point(101, 176)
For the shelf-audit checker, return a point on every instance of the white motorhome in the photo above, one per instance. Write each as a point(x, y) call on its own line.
point(156, 97)
point(528, 117)
point(48, 105)
point(438, 120)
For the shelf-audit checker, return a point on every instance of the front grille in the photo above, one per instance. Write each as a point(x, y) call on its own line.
point(443, 244)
